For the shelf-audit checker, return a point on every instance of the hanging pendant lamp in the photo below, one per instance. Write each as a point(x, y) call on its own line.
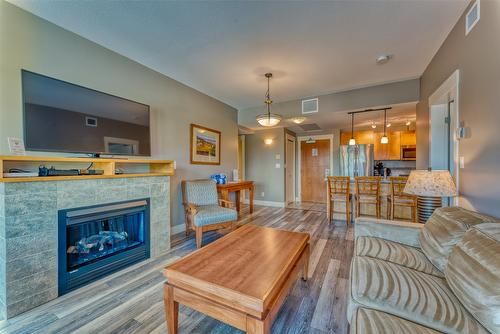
point(352, 141)
point(268, 119)
point(385, 139)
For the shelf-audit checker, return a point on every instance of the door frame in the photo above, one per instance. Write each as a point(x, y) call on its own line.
point(241, 161)
point(449, 89)
point(294, 166)
point(300, 139)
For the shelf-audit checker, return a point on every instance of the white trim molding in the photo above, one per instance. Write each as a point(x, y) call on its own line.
point(267, 203)
point(176, 229)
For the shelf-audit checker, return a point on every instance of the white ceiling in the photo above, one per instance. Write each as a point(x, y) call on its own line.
point(224, 48)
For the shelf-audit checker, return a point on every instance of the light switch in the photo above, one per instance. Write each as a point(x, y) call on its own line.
point(277, 156)
point(462, 162)
point(278, 165)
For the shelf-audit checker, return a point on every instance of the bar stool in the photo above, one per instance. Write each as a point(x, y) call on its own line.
point(368, 192)
point(399, 198)
point(339, 191)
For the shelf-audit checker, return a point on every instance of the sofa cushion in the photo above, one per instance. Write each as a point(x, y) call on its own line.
point(473, 274)
point(366, 321)
point(397, 253)
point(444, 229)
point(407, 293)
point(213, 214)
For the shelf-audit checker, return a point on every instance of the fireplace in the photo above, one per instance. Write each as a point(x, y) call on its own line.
point(98, 240)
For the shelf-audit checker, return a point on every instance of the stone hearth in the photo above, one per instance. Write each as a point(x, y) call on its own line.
point(28, 230)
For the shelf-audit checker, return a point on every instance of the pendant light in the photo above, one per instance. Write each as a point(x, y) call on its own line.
point(384, 139)
point(268, 119)
point(352, 141)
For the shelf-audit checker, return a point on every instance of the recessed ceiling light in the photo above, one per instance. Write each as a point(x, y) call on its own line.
point(388, 125)
point(374, 125)
point(382, 59)
point(298, 120)
point(408, 123)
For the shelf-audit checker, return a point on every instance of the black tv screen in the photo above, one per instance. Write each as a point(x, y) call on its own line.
point(64, 117)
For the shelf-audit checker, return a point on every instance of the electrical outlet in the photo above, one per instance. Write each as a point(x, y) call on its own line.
point(462, 162)
point(277, 157)
point(262, 194)
point(278, 165)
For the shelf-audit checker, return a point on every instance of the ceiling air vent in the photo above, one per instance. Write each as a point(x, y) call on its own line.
point(472, 17)
point(310, 106)
point(310, 127)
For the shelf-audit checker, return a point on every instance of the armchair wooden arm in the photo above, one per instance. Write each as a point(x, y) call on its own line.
point(226, 204)
point(191, 209)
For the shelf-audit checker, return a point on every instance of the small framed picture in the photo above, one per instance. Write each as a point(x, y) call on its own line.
point(205, 145)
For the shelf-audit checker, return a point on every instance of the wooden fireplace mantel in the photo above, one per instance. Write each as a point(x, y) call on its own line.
point(108, 165)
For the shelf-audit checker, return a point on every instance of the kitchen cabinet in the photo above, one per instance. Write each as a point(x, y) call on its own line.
point(408, 138)
point(389, 151)
point(361, 137)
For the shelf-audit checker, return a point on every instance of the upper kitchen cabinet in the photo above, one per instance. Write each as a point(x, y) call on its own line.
point(390, 151)
point(408, 138)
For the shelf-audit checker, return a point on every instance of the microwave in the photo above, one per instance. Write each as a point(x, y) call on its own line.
point(409, 152)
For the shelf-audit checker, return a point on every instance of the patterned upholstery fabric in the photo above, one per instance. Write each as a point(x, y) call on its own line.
point(214, 214)
point(201, 192)
point(473, 274)
point(444, 229)
point(409, 294)
point(368, 321)
point(397, 253)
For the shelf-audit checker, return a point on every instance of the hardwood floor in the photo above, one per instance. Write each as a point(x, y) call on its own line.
point(131, 300)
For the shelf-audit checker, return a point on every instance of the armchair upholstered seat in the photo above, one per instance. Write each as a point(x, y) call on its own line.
point(204, 210)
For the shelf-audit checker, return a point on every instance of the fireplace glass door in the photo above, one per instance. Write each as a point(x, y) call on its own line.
point(96, 239)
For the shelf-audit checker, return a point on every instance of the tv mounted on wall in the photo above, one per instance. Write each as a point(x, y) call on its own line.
point(63, 117)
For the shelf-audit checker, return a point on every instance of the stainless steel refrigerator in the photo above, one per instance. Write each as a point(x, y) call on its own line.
point(356, 160)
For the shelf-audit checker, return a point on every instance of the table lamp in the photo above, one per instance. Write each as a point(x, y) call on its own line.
point(430, 186)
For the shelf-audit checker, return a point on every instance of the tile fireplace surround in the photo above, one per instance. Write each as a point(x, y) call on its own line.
point(29, 230)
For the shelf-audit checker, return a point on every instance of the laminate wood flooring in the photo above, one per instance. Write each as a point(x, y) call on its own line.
point(131, 301)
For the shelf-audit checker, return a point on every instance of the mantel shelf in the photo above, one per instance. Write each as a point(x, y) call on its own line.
point(108, 165)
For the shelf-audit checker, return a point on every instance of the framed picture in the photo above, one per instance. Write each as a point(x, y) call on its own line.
point(205, 145)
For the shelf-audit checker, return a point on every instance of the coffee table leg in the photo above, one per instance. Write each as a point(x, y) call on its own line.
point(305, 270)
point(256, 326)
point(171, 309)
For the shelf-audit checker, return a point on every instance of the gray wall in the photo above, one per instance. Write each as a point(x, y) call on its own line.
point(477, 56)
point(34, 44)
point(260, 160)
point(392, 93)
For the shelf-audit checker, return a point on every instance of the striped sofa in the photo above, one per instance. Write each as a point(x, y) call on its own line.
point(441, 277)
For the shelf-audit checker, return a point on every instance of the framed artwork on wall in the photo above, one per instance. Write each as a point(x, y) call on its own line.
point(205, 145)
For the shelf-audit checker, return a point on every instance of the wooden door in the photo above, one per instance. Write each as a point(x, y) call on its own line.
point(290, 169)
point(314, 163)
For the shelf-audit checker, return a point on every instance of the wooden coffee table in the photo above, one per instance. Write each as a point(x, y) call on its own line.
point(241, 279)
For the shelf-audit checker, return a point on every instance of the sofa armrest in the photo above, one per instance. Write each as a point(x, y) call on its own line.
point(397, 231)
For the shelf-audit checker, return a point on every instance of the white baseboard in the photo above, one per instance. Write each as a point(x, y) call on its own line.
point(266, 203)
point(178, 229)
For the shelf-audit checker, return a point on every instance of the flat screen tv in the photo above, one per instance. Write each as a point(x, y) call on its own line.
point(63, 117)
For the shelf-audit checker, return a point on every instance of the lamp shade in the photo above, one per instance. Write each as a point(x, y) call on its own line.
point(431, 183)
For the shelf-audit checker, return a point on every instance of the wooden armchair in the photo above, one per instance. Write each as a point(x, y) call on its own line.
point(204, 211)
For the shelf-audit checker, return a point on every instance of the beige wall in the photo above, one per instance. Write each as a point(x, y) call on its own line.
point(477, 56)
point(260, 161)
point(34, 44)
